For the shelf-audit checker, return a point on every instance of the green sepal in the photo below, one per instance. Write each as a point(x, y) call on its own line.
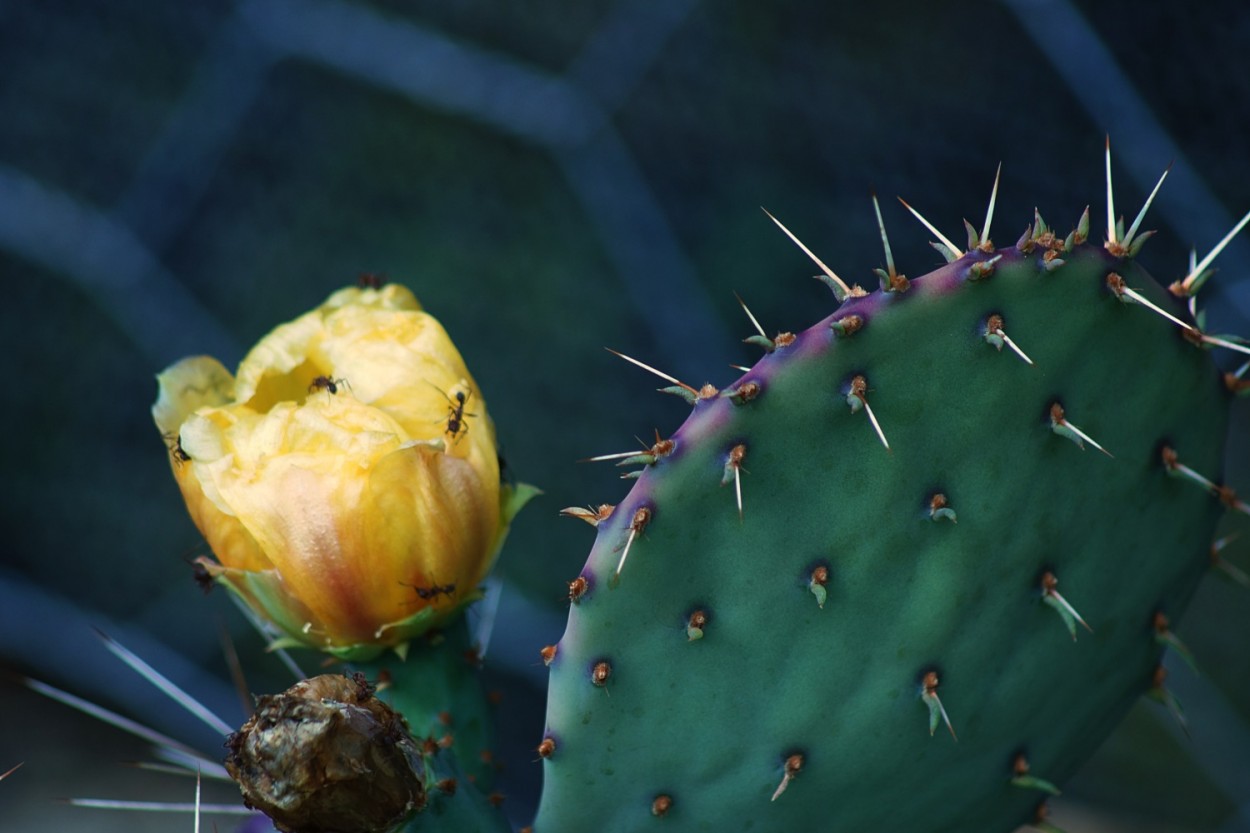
point(264, 592)
point(512, 498)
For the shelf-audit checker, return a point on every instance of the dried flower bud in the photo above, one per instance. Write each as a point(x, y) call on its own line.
point(326, 756)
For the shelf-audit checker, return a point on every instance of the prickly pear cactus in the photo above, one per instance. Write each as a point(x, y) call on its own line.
point(907, 571)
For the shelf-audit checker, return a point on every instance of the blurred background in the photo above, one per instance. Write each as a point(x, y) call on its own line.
point(550, 178)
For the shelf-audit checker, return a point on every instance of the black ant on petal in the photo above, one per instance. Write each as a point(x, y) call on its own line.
point(327, 384)
point(176, 451)
point(456, 423)
point(433, 591)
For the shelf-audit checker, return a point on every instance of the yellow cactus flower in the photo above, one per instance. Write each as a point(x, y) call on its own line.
point(346, 479)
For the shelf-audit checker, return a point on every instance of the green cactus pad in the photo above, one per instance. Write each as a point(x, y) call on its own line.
point(847, 615)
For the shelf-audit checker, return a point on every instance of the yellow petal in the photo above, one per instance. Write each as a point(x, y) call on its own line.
point(433, 522)
point(184, 387)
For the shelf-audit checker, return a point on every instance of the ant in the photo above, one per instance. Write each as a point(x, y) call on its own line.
point(433, 591)
point(203, 578)
point(505, 473)
point(327, 384)
point(456, 423)
point(176, 450)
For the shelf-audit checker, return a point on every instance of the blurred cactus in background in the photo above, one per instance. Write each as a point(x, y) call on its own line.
point(552, 179)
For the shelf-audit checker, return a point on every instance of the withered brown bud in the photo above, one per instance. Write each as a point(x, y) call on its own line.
point(326, 756)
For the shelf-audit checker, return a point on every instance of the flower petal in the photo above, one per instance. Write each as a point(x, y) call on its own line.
point(184, 387)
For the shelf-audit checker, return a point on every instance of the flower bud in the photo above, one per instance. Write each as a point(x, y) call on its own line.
point(346, 479)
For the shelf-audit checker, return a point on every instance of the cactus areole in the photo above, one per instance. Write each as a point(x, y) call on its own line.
point(917, 559)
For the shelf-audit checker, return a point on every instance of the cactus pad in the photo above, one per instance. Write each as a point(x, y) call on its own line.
point(943, 584)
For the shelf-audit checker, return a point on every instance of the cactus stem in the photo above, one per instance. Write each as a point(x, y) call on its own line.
point(661, 805)
point(840, 290)
point(591, 515)
point(637, 524)
point(891, 280)
point(954, 251)
point(1021, 778)
point(793, 766)
point(1067, 612)
point(1191, 283)
point(690, 394)
point(1160, 693)
point(858, 398)
point(996, 337)
point(1165, 637)
point(985, 245)
point(734, 464)
point(937, 712)
point(1061, 426)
